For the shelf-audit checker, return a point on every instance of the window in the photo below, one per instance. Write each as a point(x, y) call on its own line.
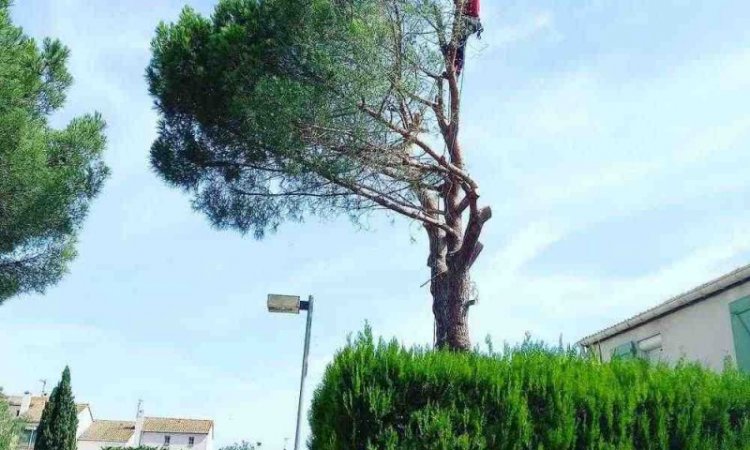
point(739, 311)
point(167, 438)
point(27, 437)
point(191, 441)
point(624, 351)
point(650, 348)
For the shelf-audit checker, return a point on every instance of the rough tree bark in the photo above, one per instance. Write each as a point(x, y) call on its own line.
point(450, 260)
point(452, 251)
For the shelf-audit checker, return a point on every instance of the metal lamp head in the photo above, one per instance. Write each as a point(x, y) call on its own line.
point(289, 304)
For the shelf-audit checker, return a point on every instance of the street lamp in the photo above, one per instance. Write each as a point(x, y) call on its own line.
point(291, 304)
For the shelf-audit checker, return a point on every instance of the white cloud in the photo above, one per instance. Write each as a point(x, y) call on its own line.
point(588, 149)
point(713, 141)
point(578, 305)
point(579, 138)
point(522, 248)
point(496, 36)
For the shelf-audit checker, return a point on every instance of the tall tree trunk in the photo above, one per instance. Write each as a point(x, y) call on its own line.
point(450, 287)
point(451, 297)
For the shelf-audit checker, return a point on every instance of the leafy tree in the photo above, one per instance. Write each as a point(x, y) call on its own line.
point(244, 445)
point(140, 447)
point(10, 427)
point(57, 427)
point(275, 109)
point(47, 176)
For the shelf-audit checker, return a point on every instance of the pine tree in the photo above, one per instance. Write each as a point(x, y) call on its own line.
point(276, 109)
point(48, 175)
point(57, 428)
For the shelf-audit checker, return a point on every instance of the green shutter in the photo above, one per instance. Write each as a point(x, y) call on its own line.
point(625, 351)
point(740, 314)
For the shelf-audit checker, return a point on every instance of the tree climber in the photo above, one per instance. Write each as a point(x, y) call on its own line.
point(470, 24)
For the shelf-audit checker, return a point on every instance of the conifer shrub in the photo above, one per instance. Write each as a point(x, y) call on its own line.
point(59, 422)
point(380, 395)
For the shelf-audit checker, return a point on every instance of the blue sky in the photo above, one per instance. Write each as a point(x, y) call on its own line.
point(610, 139)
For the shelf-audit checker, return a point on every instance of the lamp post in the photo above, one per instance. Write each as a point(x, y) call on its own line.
point(291, 304)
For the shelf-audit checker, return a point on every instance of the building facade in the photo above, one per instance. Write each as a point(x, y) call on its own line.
point(95, 434)
point(30, 408)
point(709, 324)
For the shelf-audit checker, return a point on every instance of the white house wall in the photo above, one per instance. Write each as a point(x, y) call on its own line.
point(178, 441)
point(97, 445)
point(85, 419)
point(700, 332)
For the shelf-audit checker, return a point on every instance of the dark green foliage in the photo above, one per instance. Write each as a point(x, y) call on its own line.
point(47, 176)
point(57, 428)
point(272, 110)
point(381, 396)
point(10, 426)
point(261, 107)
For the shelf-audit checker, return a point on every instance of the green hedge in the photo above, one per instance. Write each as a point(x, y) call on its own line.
point(382, 396)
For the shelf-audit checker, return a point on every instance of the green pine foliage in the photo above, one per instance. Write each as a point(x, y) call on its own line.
point(47, 176)
point(277, 110)
point(238, 93)
point(57, 428)
point(382, 396)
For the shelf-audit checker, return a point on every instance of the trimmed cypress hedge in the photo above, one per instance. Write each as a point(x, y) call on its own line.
point(382, 396)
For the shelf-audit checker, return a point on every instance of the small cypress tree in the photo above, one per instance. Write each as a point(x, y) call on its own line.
point(57, 428)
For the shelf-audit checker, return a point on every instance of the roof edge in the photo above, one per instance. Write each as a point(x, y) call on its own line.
point(177, 418)
point(149, 427)
point(83, 439)
point(700, 293)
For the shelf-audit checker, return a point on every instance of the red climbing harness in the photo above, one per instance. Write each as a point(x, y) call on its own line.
point(470, 25)
point(471, 8)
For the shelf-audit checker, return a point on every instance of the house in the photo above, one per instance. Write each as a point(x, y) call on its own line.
point(709, 324)
point(158, 432)
point(95, 434)
point(30, 409)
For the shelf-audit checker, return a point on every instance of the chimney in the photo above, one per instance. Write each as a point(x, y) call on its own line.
point(138, 424)
point(25, 403)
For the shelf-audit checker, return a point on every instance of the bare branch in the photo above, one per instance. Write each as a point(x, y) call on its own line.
point(413, 212)
point(291, 194)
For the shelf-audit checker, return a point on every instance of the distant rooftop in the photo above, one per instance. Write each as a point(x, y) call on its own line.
point(172, 425)
point(34, 414)
point(108, 431)
point(117, 430)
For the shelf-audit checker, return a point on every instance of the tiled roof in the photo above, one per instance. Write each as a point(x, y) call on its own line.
point(169, 425)
point(108, 431)
point(34, 414)
point(117, 430)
